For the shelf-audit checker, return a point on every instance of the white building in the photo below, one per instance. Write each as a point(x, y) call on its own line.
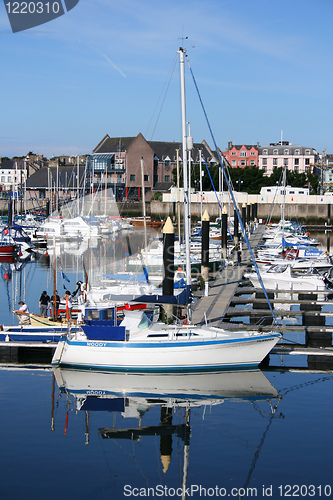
point(296, 158)
point(13, 174)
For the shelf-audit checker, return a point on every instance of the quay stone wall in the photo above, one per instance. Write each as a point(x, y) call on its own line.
point(305, 211)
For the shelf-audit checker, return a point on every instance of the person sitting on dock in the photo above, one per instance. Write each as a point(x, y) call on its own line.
point(23, 314)
point(44, 303)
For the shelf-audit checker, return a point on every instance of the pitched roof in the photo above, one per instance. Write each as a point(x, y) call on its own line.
point(162, 186)
point(67, 177)
point(113, 144)
point(161, 148)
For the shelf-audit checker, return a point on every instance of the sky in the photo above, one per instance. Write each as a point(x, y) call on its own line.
point(263, 69)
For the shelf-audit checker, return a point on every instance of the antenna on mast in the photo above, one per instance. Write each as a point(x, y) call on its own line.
point(182, 38)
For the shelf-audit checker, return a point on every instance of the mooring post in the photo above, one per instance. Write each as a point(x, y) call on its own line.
point(244, 215)
point(224, 231)
point(236, 233)
point(168, 263)
point(205, 250)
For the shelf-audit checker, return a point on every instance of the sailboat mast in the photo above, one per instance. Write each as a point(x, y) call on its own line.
point(185, 168)
point(283, 207)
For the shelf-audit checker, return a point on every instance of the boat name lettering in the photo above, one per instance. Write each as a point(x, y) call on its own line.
point(96, 344)
point(96, 393)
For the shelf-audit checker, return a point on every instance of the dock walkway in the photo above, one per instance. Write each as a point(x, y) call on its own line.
point(214, 307)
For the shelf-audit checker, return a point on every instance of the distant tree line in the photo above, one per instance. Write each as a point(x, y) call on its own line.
point(250, 179)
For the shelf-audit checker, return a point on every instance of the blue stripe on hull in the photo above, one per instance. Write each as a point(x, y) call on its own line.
point(176, 369)
point(169, 344)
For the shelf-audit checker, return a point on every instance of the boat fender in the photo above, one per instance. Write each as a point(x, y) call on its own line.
point(1, 328)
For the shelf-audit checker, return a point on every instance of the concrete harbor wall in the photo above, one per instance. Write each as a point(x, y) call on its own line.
point(309, 209)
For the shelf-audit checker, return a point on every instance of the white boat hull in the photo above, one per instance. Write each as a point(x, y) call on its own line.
point(167, 355)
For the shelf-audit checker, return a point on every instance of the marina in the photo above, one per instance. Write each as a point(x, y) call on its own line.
point(140, 432)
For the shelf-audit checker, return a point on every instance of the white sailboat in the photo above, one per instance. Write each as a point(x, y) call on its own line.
point(137, 345)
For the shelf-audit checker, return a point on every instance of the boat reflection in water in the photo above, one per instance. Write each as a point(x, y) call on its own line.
point(133, 395)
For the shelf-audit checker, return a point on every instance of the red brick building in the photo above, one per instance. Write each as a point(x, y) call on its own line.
point(121, 158)
point(242, 155)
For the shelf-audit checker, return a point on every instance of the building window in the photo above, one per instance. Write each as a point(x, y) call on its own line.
point(252, 153)
point(296, 168)
point(233, 153)
point(233, 163)
point(307, 161)
point(275, 162)
point(307, 152)
point(296, 161)
point(297, 152)
point(285, 162)
point(265, 151)
point(243, 153)
point(264, 161)
point(286, 152)
point(132, 177)
point(146, 178)
point(167, 178)
point(3, 179)
point(243, 163)
point(253, 162)
point(275, 151)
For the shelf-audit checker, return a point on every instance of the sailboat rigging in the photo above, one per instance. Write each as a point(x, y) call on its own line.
point(138, 345)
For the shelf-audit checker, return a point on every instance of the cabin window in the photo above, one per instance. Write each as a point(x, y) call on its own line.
point(301, 192)
point(145, 322)
point(132, 177)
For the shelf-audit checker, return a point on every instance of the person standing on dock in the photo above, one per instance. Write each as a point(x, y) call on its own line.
point(44, 302)
point(69, 304)
point(55, 302)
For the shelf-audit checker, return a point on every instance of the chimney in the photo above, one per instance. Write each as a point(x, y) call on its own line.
point(229, 145)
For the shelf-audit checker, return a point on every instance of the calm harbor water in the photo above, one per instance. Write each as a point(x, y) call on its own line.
point(248, 444)
point(105, 436)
